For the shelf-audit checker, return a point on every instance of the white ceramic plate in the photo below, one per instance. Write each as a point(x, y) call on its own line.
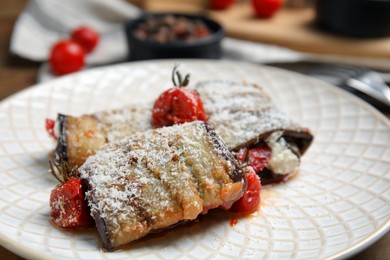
point(336, 206)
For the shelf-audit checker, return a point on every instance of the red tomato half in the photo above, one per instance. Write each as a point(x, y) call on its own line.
point(69, 208)
point(177, 106)
point(66, 56)
point(87, 37)
point(258, 156)
point(49, 125)
point(250, 200)
point(266, 8)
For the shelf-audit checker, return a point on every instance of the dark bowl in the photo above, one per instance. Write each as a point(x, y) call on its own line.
point(205, 48)
point(359, 18)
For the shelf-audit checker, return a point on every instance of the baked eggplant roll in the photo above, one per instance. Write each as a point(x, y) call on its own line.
point(158, 178)
point(80, 137)
point(242, 114)
point(248, 121)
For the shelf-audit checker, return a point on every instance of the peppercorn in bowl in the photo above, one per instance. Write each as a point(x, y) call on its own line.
point(173, 35)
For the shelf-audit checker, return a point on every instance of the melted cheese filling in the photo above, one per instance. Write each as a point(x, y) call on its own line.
point(283, 160)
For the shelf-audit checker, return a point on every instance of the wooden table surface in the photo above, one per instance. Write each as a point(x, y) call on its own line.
point(294, 28)
point(17, 73)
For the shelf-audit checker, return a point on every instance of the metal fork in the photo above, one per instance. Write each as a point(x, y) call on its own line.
point(363, 82)
point(373, 85)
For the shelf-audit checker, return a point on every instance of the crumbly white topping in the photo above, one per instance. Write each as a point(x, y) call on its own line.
point(120, 123)
point(240, 112)
point(283, 160)
point(140, 182)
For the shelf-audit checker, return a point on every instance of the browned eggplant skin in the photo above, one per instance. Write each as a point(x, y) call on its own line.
point(102, 229)
point(303, 139)
point(78, 138)
point(237, 174)
point(60, 152)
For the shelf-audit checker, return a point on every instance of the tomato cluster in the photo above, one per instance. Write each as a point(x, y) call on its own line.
point(68, 55)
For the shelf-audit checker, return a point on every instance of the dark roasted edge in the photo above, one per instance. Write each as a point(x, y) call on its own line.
point(237, 175)
point(99, 221)
point(268, 177)
point(302, 138)
point(60, 151)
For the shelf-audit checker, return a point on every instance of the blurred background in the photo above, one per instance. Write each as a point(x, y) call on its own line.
point(329, 39)
point(345, 42)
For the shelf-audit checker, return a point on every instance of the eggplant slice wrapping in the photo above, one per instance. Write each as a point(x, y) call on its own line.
point(157, 178)
point(242, 114)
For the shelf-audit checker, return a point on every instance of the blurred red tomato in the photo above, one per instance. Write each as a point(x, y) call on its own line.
point(66, 56)
point(250, 200)
point(266, 8)
point(220, 4)
point(87, 37)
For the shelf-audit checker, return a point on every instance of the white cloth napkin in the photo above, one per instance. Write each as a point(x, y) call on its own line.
point(43, 22)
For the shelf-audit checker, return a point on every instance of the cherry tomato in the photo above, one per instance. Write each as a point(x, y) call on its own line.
point(87, 37)
point(258, 156)
point(250, 200)
point(177, 106)
point(49, 125)
point(69, 208)
point(266, 8)
point(66, 56)
point(221, 4)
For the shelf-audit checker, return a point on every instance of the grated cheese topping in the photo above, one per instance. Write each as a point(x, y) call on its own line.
point(241, 112)
point(156, 178)
point(120, 123)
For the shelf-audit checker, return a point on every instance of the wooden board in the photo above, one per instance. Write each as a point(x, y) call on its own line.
point(291, 28)
point(296, 29)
